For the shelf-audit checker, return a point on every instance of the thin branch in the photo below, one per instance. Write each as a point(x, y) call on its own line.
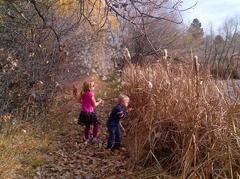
point(45, 22)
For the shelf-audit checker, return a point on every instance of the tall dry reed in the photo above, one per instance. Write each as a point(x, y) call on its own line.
point(183, 121)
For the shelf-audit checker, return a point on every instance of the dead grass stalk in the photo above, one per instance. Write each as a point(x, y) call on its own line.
point(183, 121)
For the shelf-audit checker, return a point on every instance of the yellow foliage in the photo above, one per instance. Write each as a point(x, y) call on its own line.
point(113, 22)
point(98, 18)
point(68, 5)
point(94, 10)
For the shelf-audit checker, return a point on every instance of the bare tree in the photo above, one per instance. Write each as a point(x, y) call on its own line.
point(222, 50)
point(49, 41)
point(31, 41)
point(148, 22)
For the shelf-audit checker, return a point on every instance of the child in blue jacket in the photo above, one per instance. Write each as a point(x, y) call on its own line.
point(113, 123)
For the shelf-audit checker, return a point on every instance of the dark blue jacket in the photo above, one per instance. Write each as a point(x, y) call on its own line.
point(116, 114)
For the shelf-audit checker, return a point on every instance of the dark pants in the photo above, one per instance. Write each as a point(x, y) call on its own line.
point(114, 135)
point(95, 130)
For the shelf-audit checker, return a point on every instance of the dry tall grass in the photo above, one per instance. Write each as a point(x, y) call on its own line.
point(22, 150)
point(183, 121)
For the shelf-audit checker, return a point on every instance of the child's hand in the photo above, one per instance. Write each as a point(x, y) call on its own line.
point(124, 132)
point(129, 109)
point(100, 100)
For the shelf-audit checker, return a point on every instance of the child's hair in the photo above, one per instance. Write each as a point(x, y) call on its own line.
point(86, 87)
point(121, 97)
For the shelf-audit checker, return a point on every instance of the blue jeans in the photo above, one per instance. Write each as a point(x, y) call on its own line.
point(114, 135)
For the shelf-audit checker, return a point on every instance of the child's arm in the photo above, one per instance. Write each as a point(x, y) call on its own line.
point(96, 103)
point(125, 114)
point(121, 126)
point(122, 113)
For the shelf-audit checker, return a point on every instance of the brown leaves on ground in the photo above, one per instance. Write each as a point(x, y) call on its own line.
point(71, 158)
point(53, 148)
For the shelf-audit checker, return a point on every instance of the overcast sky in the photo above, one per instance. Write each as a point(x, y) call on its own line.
point(211, 11)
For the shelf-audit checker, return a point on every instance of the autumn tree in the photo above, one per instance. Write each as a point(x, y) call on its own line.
point(49, 42)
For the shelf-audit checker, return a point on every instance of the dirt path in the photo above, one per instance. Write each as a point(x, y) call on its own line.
point(72, 159)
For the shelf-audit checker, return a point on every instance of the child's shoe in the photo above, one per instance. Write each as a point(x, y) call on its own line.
point(95, 141)
point(119, 148)
point(115, 148)
point(108, 148)
point(86, 141)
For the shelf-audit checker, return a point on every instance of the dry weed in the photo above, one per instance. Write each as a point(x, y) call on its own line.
point(183, 121)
